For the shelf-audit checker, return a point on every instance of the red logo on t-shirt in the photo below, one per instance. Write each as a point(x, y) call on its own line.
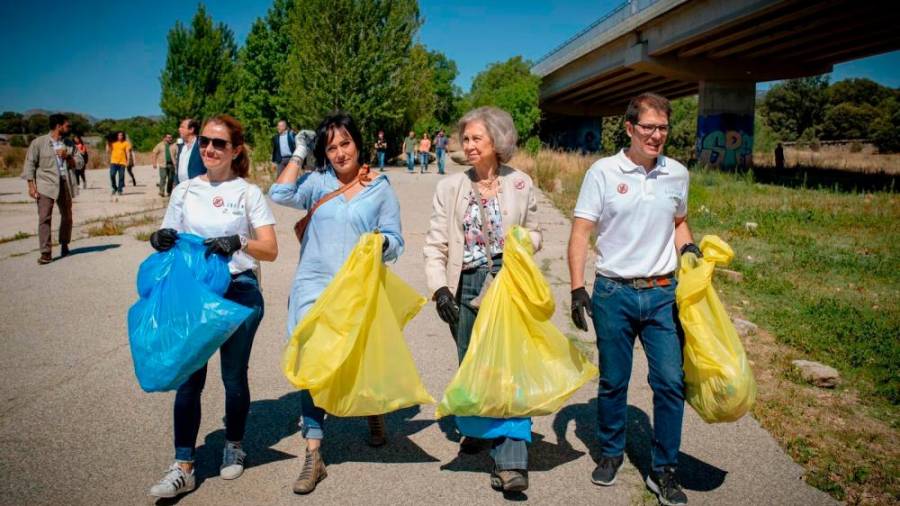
point(623, 188)
point(520, 184)
point(218, 202)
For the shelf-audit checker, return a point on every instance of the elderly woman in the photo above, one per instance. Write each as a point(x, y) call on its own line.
point(460, 250)
point(351, 204)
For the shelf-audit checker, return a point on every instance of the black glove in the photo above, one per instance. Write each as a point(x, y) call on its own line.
point(384, 245)
point(163, 239)
point(446, 305)
point(691, 248)
point(581, 300)
point(225, 245)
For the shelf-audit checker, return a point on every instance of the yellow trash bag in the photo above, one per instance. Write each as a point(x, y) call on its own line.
point(348, 350)
point(718, 381)
point(518, 363)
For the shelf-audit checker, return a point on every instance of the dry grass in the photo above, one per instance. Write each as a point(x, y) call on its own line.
point(833, 158)
point(12, 160)
point(113, 226)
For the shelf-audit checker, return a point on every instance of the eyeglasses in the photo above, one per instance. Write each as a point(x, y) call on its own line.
point(651, 129)
point(218, 144)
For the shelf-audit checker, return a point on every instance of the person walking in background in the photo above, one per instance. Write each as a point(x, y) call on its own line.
point(424, 152)
point(130, 165)
point(236, 220)
point(440, 148)
point(365, 204)
point(779, 156)
point(118, 151)
point(188, 163)
point(81, 161)
point(164, 161)
point(380, 149)
point(283, 145)
point(636, 202)
point(409, 147)
point(47, 164)
point(471, 213)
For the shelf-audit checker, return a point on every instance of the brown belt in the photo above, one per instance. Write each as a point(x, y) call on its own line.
point(641, 283)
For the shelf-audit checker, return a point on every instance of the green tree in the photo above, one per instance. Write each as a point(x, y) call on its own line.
point(38, 124)
point(446, 94)
point(12, 123)
point(352, 55)
point(613, 136)
point(885, 128)
point(198, 79)
point(261, 64)
point(847, 120)
point(683, 129)
point(796, 106)
point(858, 92)
point(511, 86)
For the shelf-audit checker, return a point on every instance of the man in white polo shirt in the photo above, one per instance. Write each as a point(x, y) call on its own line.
point(636, 201)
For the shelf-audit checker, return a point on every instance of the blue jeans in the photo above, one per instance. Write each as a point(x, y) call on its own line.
point(380, 160)
point(114, 170)
point(439, 153)
point(410, 161)
point(622, 312)
point(423, 161)
point(234, 356)
point(312, 417)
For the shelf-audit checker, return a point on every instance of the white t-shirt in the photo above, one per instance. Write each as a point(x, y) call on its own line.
point(216, 209)
point(635, 213)
point(184, 159)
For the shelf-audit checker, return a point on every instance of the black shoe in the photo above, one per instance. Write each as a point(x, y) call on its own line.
point(63, 250)
point(509, 480)
point(666, 487)
point(605, 472)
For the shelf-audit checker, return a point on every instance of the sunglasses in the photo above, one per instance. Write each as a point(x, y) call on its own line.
point(218, 144)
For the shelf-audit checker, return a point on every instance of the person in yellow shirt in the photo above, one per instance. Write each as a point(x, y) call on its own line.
point(119, 151)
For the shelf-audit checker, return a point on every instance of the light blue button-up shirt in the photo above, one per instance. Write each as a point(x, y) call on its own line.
point(334, 231)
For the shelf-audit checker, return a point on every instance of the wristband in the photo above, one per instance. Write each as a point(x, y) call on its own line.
point(244, 242)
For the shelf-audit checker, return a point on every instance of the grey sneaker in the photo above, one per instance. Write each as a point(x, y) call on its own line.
point(232, 461)
point(174, 483)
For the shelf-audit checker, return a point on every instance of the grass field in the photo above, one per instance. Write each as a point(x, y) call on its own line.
point(820, 278)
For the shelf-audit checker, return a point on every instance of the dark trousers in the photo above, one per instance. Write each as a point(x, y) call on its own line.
point(80, 177)
point(131, 173)
point(621, 313)
point(507, 453)
point(234, 356)
point(45, 215)
point(166, 179)
point(117, 177)
point(279, 167)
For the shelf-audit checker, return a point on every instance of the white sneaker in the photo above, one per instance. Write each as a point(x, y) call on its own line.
point(232, 462)
point(174, 483)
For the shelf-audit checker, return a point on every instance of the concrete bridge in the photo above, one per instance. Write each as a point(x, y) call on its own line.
point(718, 49)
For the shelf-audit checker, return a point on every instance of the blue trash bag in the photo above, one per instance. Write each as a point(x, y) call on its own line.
point(181, 318)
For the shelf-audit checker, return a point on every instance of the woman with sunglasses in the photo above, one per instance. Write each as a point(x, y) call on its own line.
point(236, 220)
point(366, 203)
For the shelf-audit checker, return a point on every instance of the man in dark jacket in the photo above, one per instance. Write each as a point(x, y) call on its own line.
point(283, 146)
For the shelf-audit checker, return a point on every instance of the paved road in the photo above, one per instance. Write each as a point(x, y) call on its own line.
point(76, 428)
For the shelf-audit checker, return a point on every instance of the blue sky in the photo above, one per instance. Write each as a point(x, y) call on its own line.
point(104, 58)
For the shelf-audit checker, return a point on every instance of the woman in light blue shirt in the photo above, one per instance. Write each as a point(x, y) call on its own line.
point(332, 233)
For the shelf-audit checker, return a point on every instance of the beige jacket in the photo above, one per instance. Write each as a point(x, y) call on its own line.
point(444, 242)
point(159, 153)
point(40, 167)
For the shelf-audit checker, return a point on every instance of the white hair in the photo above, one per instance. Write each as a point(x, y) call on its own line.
point(499, 126)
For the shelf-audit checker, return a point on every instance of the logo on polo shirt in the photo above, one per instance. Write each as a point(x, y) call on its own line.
point(520, 184)
point(218, 202)
point(622, 188)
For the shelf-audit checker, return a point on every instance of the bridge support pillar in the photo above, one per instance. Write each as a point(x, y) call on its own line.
point(725, 124)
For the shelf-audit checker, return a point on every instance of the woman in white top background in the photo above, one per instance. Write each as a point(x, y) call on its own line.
point(237, 223)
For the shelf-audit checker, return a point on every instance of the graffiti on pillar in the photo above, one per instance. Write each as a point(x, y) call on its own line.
point(725, 140)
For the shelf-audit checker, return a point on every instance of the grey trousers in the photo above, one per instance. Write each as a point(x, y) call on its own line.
point(507, 453)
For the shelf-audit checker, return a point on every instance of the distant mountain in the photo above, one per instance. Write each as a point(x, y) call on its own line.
point(45, 112)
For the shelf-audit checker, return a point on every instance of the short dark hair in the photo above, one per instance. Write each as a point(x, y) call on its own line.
point(286, 122)
point(57, 120)
point(325, 132)
point(645, 101)
point(193, 125)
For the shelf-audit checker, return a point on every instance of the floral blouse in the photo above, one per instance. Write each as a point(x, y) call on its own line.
point(473, 253)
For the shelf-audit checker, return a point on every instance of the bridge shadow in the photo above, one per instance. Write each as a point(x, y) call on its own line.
point(830, 179)
point(693, 473)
